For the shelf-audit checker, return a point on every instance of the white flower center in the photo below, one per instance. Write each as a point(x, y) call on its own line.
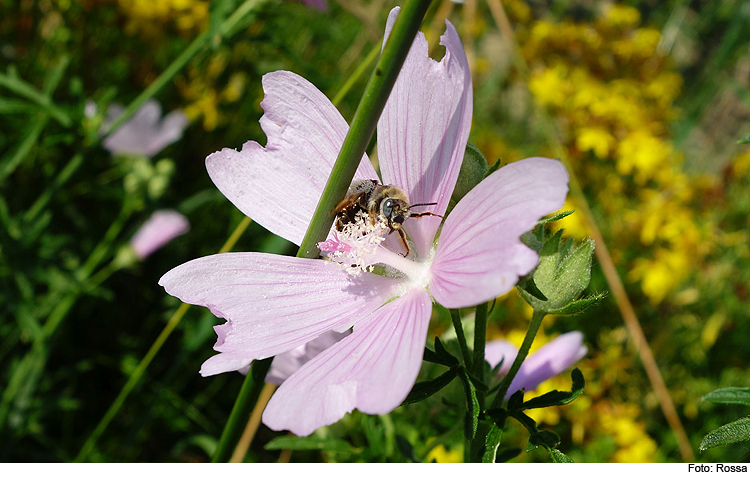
point(359, 247)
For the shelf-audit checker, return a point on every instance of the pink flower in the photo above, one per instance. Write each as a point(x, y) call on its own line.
point(274, 304)
point(160, 228)
point(145, 133)
point(551, 359)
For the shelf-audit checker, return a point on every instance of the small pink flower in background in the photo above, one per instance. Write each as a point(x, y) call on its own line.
point(273, 304)
point(285, 364)
point(145, 133)
point(551, 359)
point(160, 228)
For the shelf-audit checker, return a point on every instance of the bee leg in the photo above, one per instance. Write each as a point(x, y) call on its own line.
point(424, 214)
point(403, 241)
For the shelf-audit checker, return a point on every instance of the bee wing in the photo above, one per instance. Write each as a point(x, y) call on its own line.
point(350, 200)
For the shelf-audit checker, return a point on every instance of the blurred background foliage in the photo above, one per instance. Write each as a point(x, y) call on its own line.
point(646, 99)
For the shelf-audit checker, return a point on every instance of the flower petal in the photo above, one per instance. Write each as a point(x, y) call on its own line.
point(372, 370)
point(285, 364)
point(159, 229)
point(551, 359)
point(479, 255)
point(500, 351)
point(273, 303)
point(424, 128)
point(280, 185)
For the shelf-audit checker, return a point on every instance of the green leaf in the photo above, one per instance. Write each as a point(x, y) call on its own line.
point(557, 397)
point(745, 140)
point(441, 356)
point(578, 306)
point(559, 457)
point(471, 421)
point(527, 284)
point(737, 431)
point(423, 390)
point(545, 438)
point(473, 170)
point(491, 443)
point(492, 169)
point(729, 395)
point(507, 454)
point(555, 217)
point(405, 448)
point(310, 443)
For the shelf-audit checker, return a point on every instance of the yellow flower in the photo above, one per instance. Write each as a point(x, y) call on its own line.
point(597, 139)
point(622, 16)
point(442, 455)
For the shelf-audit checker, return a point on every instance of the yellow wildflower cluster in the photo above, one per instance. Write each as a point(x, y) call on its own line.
point(613, 93)
point(148, 17)
point(202, 89)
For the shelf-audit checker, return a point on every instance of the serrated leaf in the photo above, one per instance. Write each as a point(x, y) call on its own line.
point(471, 421)
point(423, 390)
point(578, 306)
point(309, 443)
point(559, 457)
point(736, 431)
point(555, 217)
point(491, 442)
point(729, 395)
point(558, 397)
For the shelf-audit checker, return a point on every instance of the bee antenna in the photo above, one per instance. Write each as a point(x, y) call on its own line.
point(422, 204)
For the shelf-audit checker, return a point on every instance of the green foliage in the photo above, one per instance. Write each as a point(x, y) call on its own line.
point(736, 431)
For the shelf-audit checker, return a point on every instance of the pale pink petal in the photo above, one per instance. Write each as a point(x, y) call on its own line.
point(273, 303)
point(144, 133)
point(285, 364)
point(479, 255)
point(372, 370)
point(280, 185)
point(551, 359)
point(160, 228)
point(321, 5)
point(500, 351)
point(168, 131)
point(424, 128)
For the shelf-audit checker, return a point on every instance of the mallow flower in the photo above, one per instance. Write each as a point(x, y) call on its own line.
point(146, 133)
point(161, 227)
point(273, 304)
point(548, 361)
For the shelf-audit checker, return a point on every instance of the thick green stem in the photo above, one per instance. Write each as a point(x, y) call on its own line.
point(534, 324)
point(249, 393)
point(480, 339)
point(365, 121)
point(360, 133)
point(461, 337)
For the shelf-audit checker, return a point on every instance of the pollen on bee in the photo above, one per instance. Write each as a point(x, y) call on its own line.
point(353, 246)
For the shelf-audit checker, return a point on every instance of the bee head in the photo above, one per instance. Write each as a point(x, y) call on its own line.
point(396, 211)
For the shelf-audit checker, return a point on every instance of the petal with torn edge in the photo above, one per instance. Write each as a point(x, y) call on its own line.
point(280, 185)
point(424, 128)
point(273, 303)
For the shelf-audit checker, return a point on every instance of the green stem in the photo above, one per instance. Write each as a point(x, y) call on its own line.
point(480, 339)
point(534, 324)
point(249, 393)
point(461, 337)
point(135, 377)
point(360, 133)
point(365, 121)
point(171, 71)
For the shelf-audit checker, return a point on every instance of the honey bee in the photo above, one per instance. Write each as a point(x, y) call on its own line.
point(378, 200)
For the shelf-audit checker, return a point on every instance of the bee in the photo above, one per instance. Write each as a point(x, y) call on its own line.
point(378, 200)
